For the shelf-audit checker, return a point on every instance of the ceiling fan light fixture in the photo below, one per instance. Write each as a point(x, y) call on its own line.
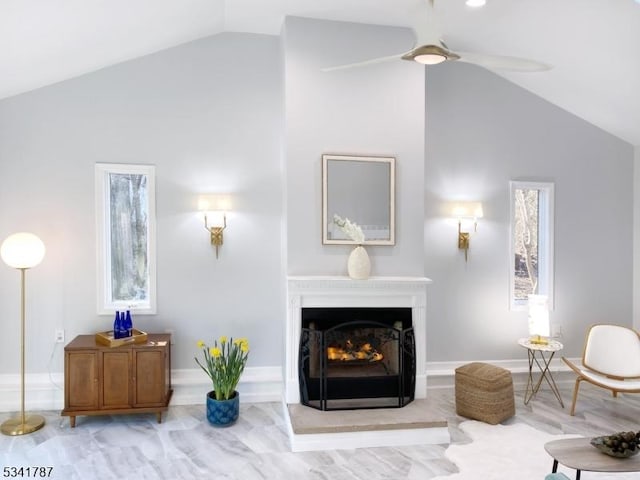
point(430, 55)
point(476, 3)
point(430, 58)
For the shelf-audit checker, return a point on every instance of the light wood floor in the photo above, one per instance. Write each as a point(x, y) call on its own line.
point(184, 446)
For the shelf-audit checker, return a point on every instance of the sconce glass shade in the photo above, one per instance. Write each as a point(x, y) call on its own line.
point(539, 316)
point(22, 250)
point(214, 203)
point(214, 207)
point(461, 210)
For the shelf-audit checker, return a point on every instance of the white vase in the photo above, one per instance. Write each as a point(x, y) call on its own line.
point(359, 265)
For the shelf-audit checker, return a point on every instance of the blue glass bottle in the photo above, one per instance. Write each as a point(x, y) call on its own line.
point(128, 324)
point(117, 326)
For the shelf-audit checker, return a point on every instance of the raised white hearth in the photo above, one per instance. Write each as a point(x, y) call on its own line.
point(343, 292)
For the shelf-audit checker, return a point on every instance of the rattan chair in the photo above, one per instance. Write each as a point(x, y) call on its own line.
point(611, 360)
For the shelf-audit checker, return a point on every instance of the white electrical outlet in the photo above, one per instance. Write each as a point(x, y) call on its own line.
point(60, 335)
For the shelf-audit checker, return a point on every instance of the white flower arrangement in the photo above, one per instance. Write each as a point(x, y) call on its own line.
point(351, 229)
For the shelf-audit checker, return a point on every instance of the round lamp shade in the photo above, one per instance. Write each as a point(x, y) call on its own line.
point(22, 250)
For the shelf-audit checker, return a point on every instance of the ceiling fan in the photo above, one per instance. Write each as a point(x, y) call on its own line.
point(429, 49)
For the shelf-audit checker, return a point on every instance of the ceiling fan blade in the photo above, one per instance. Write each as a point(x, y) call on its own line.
point(498, 62)
point(363, 63)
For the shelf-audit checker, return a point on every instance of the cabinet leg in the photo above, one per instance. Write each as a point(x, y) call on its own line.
point(159, 417)
point(72, 422)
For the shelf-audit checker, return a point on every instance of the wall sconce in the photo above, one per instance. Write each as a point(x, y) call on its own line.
point(215, 209)
point(466, 211)
point(539, 328)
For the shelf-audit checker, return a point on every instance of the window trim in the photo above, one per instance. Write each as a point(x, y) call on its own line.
point(105, 304)
point(546, 220)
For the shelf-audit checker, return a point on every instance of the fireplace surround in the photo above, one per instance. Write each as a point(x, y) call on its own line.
point(322, 292)
point(418, 422)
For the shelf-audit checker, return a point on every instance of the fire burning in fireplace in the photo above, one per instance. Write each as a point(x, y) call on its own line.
point(353, 353)
point(352, 358)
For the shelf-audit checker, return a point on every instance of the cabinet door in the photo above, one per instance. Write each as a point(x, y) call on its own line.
point(149, 377)
point(81, 380)
point(116, 379)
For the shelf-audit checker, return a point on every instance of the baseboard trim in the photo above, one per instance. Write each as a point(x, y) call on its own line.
point(42, 392)
point(258, 384)
point(442, 374)
point(46, 392)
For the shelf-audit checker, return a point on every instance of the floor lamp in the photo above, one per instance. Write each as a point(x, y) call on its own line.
point(22, 251)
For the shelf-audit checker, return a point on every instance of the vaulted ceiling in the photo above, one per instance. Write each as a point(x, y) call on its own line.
point(593, 45)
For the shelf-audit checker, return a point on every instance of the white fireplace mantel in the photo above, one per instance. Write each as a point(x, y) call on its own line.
point(336, 292)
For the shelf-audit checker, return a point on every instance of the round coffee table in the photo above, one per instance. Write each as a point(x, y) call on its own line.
point(579, 454)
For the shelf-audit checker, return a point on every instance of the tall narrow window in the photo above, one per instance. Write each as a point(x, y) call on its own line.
point(531, 242)
point(125, 213)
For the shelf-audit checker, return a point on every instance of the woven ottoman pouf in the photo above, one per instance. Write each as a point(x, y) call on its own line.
point(484, 392)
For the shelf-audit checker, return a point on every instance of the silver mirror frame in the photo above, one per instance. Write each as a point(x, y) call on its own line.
point(326, 158)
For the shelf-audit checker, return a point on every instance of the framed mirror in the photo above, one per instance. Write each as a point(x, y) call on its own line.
point(361, 189)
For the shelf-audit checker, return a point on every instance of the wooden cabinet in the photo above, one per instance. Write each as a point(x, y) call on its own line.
point(100, 380)
point(83, 381)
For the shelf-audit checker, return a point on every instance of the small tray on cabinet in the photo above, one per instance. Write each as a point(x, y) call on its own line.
point(107, 338)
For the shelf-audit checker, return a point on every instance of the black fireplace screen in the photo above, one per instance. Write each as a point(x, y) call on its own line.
point(354, 358)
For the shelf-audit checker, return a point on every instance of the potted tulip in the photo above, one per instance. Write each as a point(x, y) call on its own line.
point(224, 363)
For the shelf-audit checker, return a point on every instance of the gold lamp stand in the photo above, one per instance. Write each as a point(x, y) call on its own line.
point(23, 424)
point(22, 251)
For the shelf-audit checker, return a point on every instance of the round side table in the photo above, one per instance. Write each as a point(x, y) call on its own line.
point(540, 354)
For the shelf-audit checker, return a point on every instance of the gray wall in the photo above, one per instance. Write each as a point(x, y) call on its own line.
point(376, 110)
point(211, 122)
point(483, 131)
point(636, 235)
